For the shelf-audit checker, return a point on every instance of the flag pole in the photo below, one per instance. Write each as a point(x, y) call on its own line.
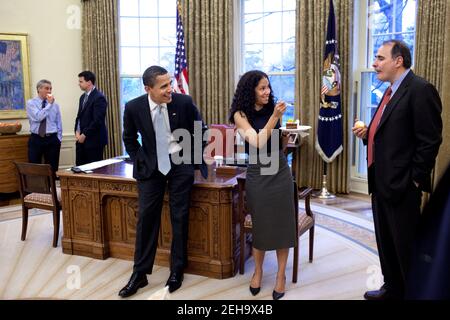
point(324, 193)
point(329, 142)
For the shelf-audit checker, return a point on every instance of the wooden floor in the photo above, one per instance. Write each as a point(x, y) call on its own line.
point(356, 204)
point(344, 266)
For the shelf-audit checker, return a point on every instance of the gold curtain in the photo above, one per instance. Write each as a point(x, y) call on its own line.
point(311, 25)
point(101, 56)
point(433, 63)
point(208, 30)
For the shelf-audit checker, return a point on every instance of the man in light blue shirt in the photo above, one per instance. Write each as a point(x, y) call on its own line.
point(45, 126)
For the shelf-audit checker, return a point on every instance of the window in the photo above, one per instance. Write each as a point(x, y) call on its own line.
point(268, 44)
point(391, 19)
point(147, 37)
point(386, 19)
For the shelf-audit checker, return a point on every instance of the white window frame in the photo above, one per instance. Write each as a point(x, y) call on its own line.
point(358, 183)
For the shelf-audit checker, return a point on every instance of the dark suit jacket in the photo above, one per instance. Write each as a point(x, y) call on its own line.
point(137, 119)
point(92, 120)
point(429, 276)
point(407, 140)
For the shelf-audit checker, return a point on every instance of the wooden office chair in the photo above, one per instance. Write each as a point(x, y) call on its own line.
point(304, 222)
point(38, 190)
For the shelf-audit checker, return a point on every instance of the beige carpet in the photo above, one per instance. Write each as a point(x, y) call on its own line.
point(345, 266)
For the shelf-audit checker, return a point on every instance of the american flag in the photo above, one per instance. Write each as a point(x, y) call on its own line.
point(329, 142)
point(181, 67)
point(324, 89)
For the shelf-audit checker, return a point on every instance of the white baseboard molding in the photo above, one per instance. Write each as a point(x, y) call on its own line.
point(359, 186)
point(67, 154)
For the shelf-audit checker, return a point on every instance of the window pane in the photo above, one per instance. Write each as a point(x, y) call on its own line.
point(289, 26)
point(272, 27)
point(167, 32)
point(406, 18)
point(251, 6)
point(129, 8)
point(148, 8)
point(131, 88)
point(149, 57)
point(129, 31)
point(289, 114)
point(271, 5)
point(289, 4)
point(167, 8)
point(272, 58)
point(129, 61)
point(288, 63)
point(283, 87)
point(362, 163)
point(167, 58)
point(253, 56)
point(149, 32)
point(253, 27)
point(381, 16)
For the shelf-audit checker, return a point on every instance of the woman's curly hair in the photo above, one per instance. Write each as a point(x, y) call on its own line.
point(244, 98)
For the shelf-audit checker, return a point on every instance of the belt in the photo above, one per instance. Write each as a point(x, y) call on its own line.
point(46, 135)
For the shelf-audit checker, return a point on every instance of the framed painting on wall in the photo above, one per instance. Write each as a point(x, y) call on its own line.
point(14, 75)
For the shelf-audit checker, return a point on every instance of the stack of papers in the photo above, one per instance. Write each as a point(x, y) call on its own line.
point(95, 165)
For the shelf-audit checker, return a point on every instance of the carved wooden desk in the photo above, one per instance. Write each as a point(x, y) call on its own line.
point(99, 219)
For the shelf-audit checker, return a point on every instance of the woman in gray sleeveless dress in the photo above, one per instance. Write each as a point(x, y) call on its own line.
point(269, 185)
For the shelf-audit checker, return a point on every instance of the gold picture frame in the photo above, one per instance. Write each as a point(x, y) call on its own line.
point(14, 75)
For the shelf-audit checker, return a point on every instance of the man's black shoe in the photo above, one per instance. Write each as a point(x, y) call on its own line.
point(382, 294)
point(137, 281)
point(174, 282)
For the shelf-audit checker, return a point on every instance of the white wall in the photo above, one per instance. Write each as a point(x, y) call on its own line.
point(54, 40)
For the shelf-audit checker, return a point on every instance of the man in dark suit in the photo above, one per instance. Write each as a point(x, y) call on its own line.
point(156, 115)
point(90, 128)
point(429, 278)
point(403, 141)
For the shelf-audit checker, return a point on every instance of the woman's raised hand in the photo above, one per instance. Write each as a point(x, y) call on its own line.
point(279, 109)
